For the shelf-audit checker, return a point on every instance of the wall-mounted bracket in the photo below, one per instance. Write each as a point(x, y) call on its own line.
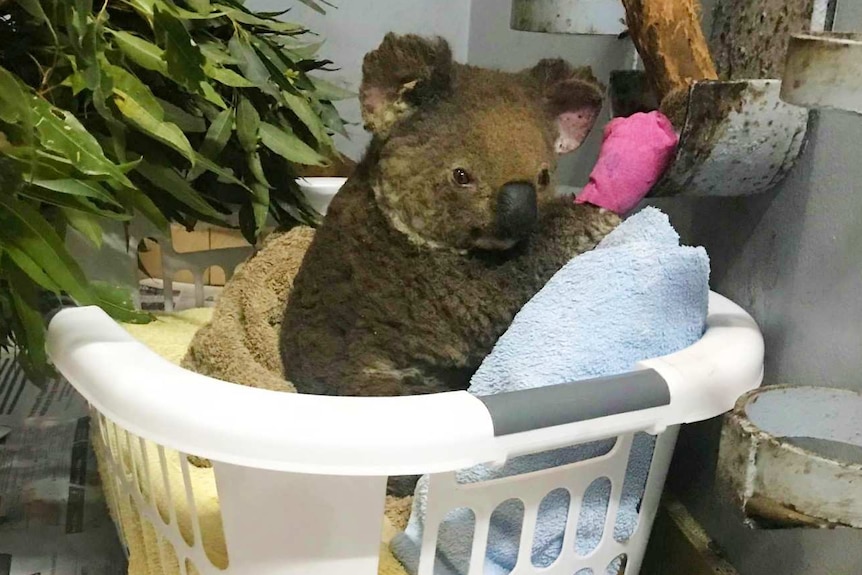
point(792, 457)
point(824, 71)
point(736, 137)
point(588, 17)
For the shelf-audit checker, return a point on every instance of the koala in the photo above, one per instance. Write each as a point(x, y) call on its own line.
point(449, 224)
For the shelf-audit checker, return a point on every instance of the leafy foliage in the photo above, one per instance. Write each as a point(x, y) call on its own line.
point(178, 110)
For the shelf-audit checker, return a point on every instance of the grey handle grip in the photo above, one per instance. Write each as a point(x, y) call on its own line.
point(526, 410)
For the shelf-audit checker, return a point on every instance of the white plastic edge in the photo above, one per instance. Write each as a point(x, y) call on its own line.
point(157, 400)
point(320, 191)
point(706, 379)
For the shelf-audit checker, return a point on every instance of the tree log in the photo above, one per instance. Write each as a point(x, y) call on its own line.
point(670, 41)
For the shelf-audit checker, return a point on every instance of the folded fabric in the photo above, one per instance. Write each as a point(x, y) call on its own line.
point(635, 153)
point(638, 295)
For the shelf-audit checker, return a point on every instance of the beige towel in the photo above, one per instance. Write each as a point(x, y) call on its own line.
point(241, 342)
point(169, 336)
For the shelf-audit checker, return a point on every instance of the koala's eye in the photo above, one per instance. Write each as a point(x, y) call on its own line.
point(544, 177)
point(461, 177)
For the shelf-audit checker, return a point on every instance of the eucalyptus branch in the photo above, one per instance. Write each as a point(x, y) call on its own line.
point(161, 86)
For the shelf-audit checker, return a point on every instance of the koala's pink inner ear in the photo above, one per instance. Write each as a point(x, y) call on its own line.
point(373, 99)
point(574, 126)
point(576, 105)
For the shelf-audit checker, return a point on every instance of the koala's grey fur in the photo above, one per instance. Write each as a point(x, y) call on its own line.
point(410, 281)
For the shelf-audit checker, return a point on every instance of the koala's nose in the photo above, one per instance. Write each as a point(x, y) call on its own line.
point(517, 209)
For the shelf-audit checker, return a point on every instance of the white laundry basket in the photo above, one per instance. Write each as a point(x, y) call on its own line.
point(302, 479)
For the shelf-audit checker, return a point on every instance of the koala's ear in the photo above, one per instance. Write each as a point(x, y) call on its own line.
point(573, 97)
point(401, 74)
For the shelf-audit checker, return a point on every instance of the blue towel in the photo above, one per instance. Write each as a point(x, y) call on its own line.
point(638, 295)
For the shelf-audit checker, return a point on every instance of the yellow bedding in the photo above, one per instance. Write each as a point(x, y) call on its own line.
point(169, 336)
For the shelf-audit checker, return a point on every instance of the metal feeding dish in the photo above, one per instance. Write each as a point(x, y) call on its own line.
point(824, 70)
point(736, 137)
point(792, 457)
point(588, 17)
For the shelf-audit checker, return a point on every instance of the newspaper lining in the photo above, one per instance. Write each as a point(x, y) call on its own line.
point(53, 516)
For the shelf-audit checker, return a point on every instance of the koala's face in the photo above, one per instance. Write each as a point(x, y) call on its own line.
point(468, 162)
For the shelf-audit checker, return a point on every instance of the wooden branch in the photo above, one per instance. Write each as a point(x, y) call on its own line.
point(670, 40)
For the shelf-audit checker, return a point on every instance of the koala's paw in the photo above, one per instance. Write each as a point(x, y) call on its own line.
point(199, 462)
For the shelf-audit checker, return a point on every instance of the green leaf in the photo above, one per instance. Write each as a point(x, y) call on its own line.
point(169, 180)
point(11, 170)
point(72, 202)
point(274, 14)
point(150, 121)
point(202, 6)
point(325, 90)
point(251, 65)
point(260, 206)
point(76, 82)
point(76, 187)
point(34, 9)
point(300, 106)
point(217, 135)
point(143, 53)
point(211, 95)
point(86, 224)
point(118, 303)
point(267, 23)
point(13, 100)
point(183, 56)
point(128, 85)
point(288, 146)
point(224, 174)
point(186, 121)
point(227, 76)
point(215, 52)
point(26, 264)
point(256, 169)
point(286, 72)
point(332, 118)
point(117, 129)
point(85, 33)
point(247, 125)
point(61, 132)
point(83, 9)
point(25, 228)
point(247, 223)
point(147, 9)
point(140, 202)
point(215, 140)
point(281, 69)
point(305, 51)
point(39, 163)
point(314, 6)
point(25, 301)
point(143, 119)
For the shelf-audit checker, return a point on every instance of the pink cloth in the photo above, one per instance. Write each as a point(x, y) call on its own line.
point(635, 153)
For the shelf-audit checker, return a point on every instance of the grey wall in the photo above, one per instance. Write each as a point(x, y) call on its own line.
point(357, 27)
point(793, 258)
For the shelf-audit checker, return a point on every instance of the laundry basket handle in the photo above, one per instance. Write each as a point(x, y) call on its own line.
point(531, 409)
